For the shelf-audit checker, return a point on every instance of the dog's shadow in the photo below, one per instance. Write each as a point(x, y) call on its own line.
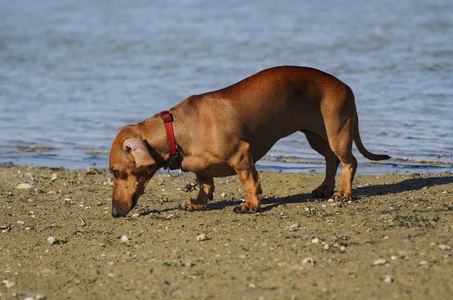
point(269, 203)
point(412, 184)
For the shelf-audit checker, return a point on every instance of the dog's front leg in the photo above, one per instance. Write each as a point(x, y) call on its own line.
point(251, 183)
point(252, 187)
point(205, 194)
point(244, 166)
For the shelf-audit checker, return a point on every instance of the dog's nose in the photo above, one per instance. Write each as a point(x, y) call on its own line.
point(115, 212)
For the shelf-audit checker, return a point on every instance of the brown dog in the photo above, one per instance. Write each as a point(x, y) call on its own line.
point(225, 132)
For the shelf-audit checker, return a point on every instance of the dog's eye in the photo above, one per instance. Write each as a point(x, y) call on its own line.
point(116, 173)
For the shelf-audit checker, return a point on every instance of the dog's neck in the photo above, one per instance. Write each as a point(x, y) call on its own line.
point(152, 130)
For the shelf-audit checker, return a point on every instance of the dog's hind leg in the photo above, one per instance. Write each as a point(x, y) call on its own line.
point(319, 143)
point(204, 195)
point(340, 141)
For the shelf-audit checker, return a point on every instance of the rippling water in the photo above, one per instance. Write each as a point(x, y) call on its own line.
point(73, 72)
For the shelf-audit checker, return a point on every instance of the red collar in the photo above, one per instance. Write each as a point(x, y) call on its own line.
point(172, 146)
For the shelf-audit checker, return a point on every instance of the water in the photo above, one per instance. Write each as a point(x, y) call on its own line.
point(73, 72)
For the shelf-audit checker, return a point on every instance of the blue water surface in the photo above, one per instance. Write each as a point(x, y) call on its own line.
point(72, 73)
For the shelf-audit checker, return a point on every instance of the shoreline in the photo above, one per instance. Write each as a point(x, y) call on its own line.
point(395, 239)
point(370, 168)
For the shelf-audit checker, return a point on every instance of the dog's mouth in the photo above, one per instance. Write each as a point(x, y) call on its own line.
point(118, 212)
point(134, 200)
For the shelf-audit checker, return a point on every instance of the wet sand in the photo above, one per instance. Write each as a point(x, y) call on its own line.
point(59, 241)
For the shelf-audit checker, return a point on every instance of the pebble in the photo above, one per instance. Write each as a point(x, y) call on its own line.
point(342, 249)
point(8, 283)
point(424, 263)
point(223, 195)
point(308, 260)
point(202, 237)
point(444, 247)
point(388, 279)
point(164, 282)
point(315, 240)
point(53, 177)
point(135, 215)
point(379, 262)
point(5, 228)
point(294, 227)
point(124, 238)
point(51, 240)
point(24, 186)
point(188, 263)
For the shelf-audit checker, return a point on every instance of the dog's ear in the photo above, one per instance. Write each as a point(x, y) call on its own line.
point(138, 149)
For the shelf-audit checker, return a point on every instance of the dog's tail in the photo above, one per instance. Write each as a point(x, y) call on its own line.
point(365, 152)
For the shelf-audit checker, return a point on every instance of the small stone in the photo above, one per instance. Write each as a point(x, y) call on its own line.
point(252, 285)
point(164, 282)
point(388, 279)
point(135, 215)
point(294, 227)
point(188, 263)
point(202, 237)
point(326, 247)
point(443, 247)
point(5, 228)
point(223, 195)
point(8, 283)
point(29, 298)
point(308, 260)
point(51, 240)
point(379, 262)
point(24, 186)
point(53, 177)
point(342, 249)
point(68, 201)
point(424, 263)
point(124, 238)
point(111, 275)
point(315, 240)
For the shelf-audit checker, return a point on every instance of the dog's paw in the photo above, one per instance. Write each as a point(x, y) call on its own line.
point(322, 192)
point(189, 205)
point(342, 196)
point(245, 208)
point(185, 207)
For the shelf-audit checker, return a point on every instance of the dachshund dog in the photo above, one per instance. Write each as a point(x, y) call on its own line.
point(226, 132)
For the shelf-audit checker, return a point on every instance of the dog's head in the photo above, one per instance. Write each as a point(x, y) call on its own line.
point(132, 166)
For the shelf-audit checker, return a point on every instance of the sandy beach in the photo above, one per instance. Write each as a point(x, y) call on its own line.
point(59, 241)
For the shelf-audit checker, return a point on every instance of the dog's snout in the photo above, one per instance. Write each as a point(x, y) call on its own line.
point(115, 212)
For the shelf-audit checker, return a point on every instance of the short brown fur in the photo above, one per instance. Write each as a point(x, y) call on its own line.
point(226, 132)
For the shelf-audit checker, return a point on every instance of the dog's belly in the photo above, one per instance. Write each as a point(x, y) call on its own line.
point(207, 165)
